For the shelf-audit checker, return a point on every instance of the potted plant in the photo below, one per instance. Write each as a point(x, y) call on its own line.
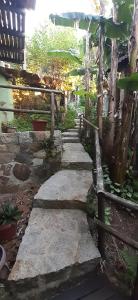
point(7, 127)
point(38, 123)
point(9, 215)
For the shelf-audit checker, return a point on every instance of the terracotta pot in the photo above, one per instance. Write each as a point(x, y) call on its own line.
point(8, 231)
point(11, 129)
point(39, 125)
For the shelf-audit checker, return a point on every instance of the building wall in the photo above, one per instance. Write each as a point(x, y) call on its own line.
point(6, 100)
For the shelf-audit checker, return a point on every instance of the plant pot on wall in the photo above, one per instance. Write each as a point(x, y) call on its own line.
point(39, 125)
point(9, 215)
point(8, 231)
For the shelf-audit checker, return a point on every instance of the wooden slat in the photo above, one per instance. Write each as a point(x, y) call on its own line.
point(125, 239)
point(83, 289)
point(29, 88)
point(33, 111)
point(102, 294)
point(119, 201)
point(11, 32)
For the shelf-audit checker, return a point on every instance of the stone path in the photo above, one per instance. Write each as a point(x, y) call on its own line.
point(57, 243)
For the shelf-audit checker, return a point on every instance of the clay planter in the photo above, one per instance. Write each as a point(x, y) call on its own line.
point(8, 231)
point(11, 129)
point(39, 125)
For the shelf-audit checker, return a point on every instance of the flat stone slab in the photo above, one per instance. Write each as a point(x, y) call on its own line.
point(73, 130)
point(70, 140)
point(65, 189)
point(76, 159)
point(70, 134)
point(73, 147)
point(57, 246)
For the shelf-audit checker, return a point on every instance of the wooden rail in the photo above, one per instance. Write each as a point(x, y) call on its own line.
point(29, 111)
point(28, 88)
point(102, 195)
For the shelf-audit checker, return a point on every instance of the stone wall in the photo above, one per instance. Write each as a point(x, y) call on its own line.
point(24, 159)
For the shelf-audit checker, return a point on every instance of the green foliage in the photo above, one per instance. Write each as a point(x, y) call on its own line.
point(67, 55)
point(51, 38)
point(131, 262)
point(82, 71)
point(69, 121)
point(129, 83)
point(107, 215)
point(39, 117)
point(9, 213)
point(127, 191)
point(113, 30)
point(22, 123)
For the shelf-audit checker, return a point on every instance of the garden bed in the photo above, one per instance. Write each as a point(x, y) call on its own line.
point(23, 199)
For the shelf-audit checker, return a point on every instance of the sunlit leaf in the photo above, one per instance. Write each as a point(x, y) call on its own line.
point(130, 82)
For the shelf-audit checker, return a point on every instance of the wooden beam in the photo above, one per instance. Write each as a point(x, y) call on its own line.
point(99, 171)
point(52, 114)
point(18, 110)
point(11, 32)
point(118, 200)
point(12, 60)
point(90, 124)
point(125, 239)
point(29, 88)
point(11, 48)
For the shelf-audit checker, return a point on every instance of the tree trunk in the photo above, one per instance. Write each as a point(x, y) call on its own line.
point(100, 76)
point(122, 140)
point(87, 77)
point(113, 91)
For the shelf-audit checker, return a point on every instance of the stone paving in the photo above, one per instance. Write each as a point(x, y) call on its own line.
point(57, 241)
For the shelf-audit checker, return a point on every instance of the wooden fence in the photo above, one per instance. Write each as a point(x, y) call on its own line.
point(103, 196)
point(53, 106)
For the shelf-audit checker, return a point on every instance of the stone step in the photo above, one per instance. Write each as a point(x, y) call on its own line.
point(57, 247)
point(73, 147)
point(77, 121)
point(73, 130)
point(75, 159)
point(70, 134)
point(70, 139)
point(65, 189)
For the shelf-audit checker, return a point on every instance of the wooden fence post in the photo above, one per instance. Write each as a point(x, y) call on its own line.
point(135, 293)
point(52, 115)
point(101, 217)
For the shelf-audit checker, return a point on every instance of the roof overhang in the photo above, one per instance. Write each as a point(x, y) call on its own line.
point(12, 29)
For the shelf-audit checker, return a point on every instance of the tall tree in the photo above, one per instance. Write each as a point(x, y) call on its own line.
point(122, 140)
point(113, 87)
point(101, 73)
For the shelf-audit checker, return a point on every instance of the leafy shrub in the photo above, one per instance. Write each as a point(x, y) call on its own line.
point(131, 262)
point(24, 123)
point(9, 213)
point(127, 191)
point(69, 121)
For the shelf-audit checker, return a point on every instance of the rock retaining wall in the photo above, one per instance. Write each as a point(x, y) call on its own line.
point(23, 158)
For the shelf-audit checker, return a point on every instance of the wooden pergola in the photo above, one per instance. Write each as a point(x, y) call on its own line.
point(12, 29)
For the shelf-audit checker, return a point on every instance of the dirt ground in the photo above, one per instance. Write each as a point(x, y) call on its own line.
point(23, 199)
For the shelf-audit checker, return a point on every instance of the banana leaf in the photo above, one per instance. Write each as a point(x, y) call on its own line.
point(91, 23)
point(64, 54)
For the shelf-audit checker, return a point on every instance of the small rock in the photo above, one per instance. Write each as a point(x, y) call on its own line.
point(37, 162)
point(3, 180)
point(6, 157)
point(6, 168)
point(40, 154)
point(21, 171)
